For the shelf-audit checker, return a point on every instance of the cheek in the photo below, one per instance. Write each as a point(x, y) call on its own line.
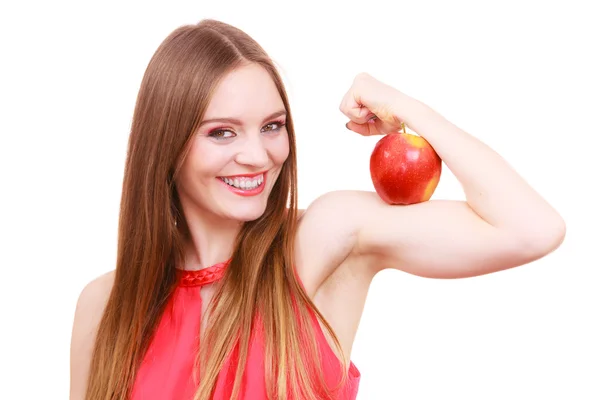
point(203, 162)
point(280, 149)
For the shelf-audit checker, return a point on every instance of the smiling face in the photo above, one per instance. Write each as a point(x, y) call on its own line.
point(238, 152)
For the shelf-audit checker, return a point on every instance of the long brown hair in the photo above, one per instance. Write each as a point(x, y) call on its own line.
point(260, 280)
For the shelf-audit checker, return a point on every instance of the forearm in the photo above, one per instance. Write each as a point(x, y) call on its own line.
point(493, 189)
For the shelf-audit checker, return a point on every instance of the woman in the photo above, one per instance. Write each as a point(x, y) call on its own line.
point(223, 289)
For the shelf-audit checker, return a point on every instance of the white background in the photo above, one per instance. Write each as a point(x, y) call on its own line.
point(520, 75)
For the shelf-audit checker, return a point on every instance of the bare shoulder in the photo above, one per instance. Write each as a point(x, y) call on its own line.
point(333, 273)
point(326, 237)
point(88, 312)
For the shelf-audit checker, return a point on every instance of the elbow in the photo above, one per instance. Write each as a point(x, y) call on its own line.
point(556, 235)
point(546, 238)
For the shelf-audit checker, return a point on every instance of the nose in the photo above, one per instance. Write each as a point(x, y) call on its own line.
point(253, 153)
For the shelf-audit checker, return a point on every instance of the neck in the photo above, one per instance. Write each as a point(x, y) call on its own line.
point(211, 242)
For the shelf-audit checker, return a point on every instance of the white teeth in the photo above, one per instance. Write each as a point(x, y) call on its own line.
point(245, 183)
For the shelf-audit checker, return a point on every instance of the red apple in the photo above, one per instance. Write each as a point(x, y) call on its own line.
point(405, 169)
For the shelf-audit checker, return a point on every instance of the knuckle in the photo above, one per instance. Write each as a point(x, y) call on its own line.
point(361, 76)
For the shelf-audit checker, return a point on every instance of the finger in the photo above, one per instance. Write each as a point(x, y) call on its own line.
point(384, 127)
point(354, 110)
point(367, 129)
point(360, 114)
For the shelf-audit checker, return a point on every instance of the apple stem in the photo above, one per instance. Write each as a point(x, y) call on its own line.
point(403, 125)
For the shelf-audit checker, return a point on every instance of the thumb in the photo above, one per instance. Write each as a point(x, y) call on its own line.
point(368, 128)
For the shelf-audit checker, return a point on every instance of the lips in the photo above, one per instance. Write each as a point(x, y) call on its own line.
point(245, 184)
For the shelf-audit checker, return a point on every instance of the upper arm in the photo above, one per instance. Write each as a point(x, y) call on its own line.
point(443, 239)
point(88, 312)
point(436, 238)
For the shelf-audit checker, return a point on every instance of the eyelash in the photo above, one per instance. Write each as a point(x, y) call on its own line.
point(216, 132)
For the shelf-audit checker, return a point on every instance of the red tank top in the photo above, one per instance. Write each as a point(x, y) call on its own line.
point(167, 368)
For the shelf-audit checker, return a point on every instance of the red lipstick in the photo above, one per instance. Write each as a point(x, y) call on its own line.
point(242, 191)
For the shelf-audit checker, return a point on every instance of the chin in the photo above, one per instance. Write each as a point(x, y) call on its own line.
point(245, 210)
point(248, 215)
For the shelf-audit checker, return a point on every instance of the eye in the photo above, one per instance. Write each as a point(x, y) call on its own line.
point(273, 126)
point(221, 134)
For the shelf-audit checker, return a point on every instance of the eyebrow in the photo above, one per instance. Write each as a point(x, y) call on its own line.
point(235, 121)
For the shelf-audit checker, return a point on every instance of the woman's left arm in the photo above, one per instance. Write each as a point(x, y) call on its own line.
point(503, 223)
